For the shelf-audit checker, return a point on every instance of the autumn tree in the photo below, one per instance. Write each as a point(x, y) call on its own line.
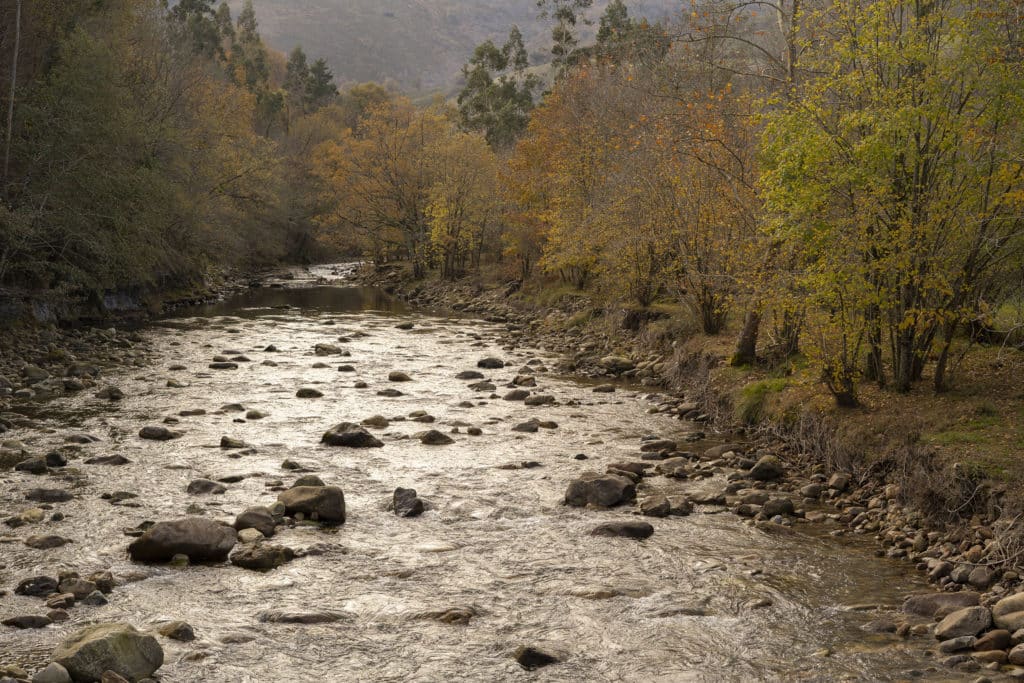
point(896, 179)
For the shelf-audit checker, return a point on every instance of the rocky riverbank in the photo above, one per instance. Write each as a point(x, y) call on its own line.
point(975, 561)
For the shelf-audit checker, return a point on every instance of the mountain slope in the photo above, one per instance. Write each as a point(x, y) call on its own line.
point(420, 44)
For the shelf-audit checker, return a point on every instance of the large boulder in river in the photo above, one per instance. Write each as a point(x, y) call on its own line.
point(1009, 612)
point(109, 647)
point(601, 490)
point(203, 540)
point(325, 504)
point(490, 363)
point(350, 435)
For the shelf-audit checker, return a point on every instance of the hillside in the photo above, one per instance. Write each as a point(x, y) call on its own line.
point(420, 44)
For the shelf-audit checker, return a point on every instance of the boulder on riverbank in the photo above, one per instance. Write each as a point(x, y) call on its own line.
point(202, 540)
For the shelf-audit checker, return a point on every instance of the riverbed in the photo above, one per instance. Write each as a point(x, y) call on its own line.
point(706, 598)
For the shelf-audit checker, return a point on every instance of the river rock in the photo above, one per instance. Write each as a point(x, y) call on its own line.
point(616, 364)
point(53, 673)
point(637, 530)
point(316, 617)
point(532, 657)
point(405, 503)
point(49, 495)
point(308, 480)
point(351, 436)
point(202, 540)
point(840, 481)
point(109, 647)
point(432, 437)
point(55, 459)
point(27, 621)
point(325, 504)
point(46, 542)
point(177, 630)
point(929, 604)
point(376, 421)
point(999, 639)
point(490, 363)
point(199, 487)
point(309, 392)
point(261, 556)
point(469, 374)
point(957, 644)
point(250, 536)
point(37, 586)
point(32, 466)
point(516, 395)
point(223, 365)
point(600, 490)
point(327, 350)
point(768, 468)
point(1016, 655)
point(112, 460)
point(655, 506)
point(158, 433)
point(1008, 613)
point(482, 386)
point(777, 506)
point(969, 621)
point(398, 376)
point(111, 393)
point(658, 446)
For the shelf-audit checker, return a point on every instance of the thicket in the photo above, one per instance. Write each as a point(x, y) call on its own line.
point(142, 143)
point(839, 178)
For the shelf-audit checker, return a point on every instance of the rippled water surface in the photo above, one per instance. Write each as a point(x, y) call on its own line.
point(677, 607)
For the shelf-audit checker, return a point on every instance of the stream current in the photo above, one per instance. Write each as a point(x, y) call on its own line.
point(706, 598)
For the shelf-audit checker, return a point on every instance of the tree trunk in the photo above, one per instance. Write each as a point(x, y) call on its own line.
point(746, 345)
point(10, 101)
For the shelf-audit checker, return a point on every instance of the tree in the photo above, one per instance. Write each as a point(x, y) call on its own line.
point(462, 201)
point(296, 82)
point(621, 38)
point(566, 14)
point(498, 94)
point(897, 181)
point(197, 19)
point(10, 97)
point(321, 88)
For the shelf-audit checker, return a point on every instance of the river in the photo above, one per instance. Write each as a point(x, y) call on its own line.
point(706, 598)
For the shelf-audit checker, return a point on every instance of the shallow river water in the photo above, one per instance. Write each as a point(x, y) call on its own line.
point(680, 606)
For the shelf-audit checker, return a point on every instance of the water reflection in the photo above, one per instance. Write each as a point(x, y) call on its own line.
point(305, 301)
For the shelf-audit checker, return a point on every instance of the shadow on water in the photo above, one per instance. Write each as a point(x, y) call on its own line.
point(260, 301)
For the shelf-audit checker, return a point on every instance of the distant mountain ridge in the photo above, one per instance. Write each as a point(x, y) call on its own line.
point(419, 44)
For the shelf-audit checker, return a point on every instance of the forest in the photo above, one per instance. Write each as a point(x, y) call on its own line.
point(836, 180)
